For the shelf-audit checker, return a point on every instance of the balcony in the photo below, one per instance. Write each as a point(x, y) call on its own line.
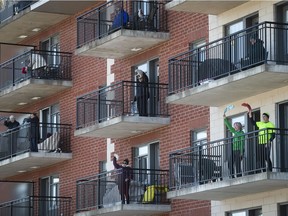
point(119, 29)
point(15, 18)
point(118, 111)
point(34, 74)
point(203, 75)
point(204, 172)
point(37, 205)
point(16, 156)
point(205, 7)
point(101, 194)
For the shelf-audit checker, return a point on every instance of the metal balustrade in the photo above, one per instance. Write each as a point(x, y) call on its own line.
point(51, 138)
point(37, 64)
point(207, 162)
point(122, 99)
point(229, 55)
point(115, 15)
point(11, 8)
point(104, 190)
point(37, 205)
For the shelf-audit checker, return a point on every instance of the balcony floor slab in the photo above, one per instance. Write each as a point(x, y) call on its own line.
point(120, 43)
point(27, 160)
point(246, 83)
point(123, 126)
point(41, 14)
point(127, 210)
point(27, 89)
point(231, 188)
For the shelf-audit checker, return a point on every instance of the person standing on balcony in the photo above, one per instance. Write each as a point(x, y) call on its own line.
point(121, 18)
point(266, 136)
point(13, 128)
point(256, 51)
point(124, 177)
point(34, 131)
point(237, 147)
point(142, 92)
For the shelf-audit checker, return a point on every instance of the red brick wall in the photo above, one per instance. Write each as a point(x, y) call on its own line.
point(89, 73)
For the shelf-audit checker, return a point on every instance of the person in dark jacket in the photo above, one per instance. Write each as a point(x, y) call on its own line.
point(142, 92)
point(13, 128)
point(11, 123)
point(256, 53)
point(34, 131)
point(237, 147)
point(124, 178)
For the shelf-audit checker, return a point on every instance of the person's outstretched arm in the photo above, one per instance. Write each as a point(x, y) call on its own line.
point(116, 165)
point(253, 122)
point(229, 126)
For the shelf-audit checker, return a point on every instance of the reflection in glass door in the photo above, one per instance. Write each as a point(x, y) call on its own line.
point(282, 35)
point(283, 124)
point(235, 49)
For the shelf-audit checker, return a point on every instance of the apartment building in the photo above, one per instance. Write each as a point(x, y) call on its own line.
point(233, 78)
point(73, 64)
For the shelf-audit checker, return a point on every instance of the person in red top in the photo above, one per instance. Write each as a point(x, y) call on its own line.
point(124, 177)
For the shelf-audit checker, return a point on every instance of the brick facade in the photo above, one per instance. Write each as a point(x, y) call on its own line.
point(89, 73)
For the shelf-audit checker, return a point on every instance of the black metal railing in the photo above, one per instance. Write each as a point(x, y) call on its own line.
point(229, 55)
point(38, 64)
point(122, 98)
point(37, 205)
point(11, 8)
point(106, 189)
point(48, 137)
point(252, 153)
point(115, 15)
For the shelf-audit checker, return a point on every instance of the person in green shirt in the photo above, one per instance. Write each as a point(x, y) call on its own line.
point(237, 147)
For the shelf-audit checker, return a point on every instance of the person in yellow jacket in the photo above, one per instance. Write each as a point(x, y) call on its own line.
point(265, 138)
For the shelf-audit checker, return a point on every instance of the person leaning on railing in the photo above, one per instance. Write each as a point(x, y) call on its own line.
point(265, 138)
point(256, 52)
point(12, 132)
point(237, 147)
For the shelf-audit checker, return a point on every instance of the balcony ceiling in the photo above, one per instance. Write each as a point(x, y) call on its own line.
point(128, 210)
point(123, 126)
point(41, 14)
point(212, 7)
point(24, 162)
point(231, 188)
point(235, 87)
point(120, 44)
point(24, 91)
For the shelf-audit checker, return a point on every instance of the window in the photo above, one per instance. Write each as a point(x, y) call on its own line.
point(51, 44)
point(199, 137)
point(250, 212)
point(151, 68)
point(146, 157)
point(49, 187)
point(200, 53)
point(237, 48)
point(283, 209)
point(151, 106)
point(50, 114)
point(102, 166)
point(49, 117)
point(196, 58)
